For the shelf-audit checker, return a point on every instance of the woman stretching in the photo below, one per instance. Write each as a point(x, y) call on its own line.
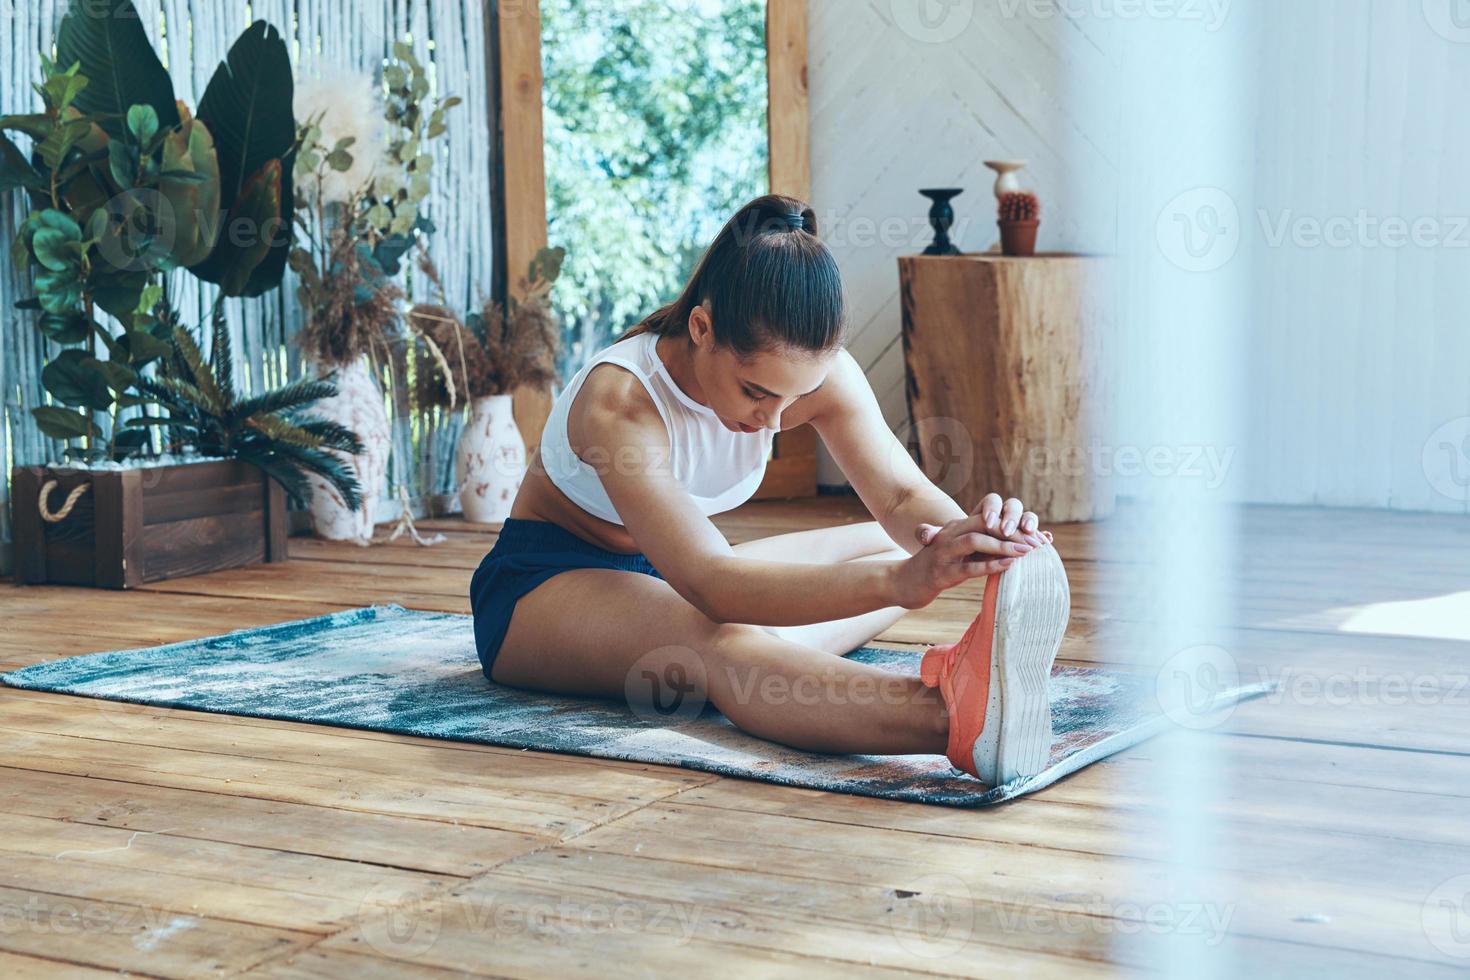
point(608, 573)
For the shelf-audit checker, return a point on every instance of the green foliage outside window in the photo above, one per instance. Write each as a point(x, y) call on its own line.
point(655, 128)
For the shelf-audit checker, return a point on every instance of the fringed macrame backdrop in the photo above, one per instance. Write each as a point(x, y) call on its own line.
point(192, 37)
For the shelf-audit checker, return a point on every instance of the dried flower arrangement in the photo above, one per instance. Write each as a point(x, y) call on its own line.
point(362, 174)
point(490, 352)
point(359, 193)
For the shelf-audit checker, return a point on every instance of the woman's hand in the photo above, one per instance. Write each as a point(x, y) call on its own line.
point(953, 553)
point(1007, 519)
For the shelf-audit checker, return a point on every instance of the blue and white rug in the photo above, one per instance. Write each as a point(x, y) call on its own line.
point(391, 669)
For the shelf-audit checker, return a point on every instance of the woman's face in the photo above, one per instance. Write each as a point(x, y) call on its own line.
point(752, 394)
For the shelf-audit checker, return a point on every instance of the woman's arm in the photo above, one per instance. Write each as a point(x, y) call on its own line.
point(696, 560)
point(898, 494)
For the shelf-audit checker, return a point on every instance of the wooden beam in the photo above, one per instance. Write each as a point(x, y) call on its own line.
point(522, 197)
point(792, 469)
point(787, 107)
point(524, 188)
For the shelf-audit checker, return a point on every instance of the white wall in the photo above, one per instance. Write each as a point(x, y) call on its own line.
point(1357, 351)
point(893, 111)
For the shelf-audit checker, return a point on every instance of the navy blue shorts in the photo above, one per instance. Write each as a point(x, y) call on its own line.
point(526, 554)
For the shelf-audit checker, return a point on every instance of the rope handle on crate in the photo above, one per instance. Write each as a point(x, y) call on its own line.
point(71, 501)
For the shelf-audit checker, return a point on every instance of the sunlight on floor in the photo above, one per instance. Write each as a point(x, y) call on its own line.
point(1445, 617)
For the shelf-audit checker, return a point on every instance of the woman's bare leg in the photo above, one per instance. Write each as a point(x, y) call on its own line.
point(632, 631)
point(865, 541)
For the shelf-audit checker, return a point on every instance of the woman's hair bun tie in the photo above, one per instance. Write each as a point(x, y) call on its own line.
point(795, 219)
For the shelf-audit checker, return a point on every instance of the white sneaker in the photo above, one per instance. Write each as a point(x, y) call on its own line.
point(1000, 732)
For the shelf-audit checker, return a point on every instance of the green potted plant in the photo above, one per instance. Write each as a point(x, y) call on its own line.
point(126, 185)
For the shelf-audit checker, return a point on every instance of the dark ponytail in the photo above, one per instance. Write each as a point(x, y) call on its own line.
point(771, 283)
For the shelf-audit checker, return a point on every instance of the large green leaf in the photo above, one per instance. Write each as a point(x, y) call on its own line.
point(65, 328)
point(73, 379)
point(245, 241)
point(36, 125)
point(247, 108)
point(15, 170)
point(118, 62)
point(192, 213)
point(62, 423)
point(54, 250)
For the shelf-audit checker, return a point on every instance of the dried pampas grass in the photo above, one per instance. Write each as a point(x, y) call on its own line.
point(346, 104)
point(459, 363)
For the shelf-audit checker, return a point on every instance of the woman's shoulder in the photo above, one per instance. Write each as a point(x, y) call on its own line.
point(611, 399)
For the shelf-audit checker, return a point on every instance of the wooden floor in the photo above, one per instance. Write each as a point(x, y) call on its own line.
point(182, 843)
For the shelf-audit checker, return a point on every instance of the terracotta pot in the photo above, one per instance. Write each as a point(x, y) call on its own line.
point(358, 405)
point(1018, 237)
point(490, 461)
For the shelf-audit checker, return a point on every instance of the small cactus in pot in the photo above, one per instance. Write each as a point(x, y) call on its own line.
point(1018, 213)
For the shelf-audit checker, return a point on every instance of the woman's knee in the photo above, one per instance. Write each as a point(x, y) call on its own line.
point(731, 640)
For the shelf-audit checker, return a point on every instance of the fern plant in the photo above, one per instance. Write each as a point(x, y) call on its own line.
point(269, 430)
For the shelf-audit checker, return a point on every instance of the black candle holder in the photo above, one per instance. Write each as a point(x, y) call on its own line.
point(941, 217)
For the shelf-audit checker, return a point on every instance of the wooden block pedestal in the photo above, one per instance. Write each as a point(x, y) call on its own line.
point(1003, 362)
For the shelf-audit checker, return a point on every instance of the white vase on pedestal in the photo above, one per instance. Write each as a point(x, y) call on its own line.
point(1005, 175)
point(358, 405)
point(490, 461)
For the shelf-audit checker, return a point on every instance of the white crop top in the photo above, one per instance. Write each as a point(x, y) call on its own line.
point(719, 467)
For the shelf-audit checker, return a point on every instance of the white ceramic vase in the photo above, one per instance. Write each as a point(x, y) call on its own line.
point(490, 461)
point(358, 405)
point(1006, 178)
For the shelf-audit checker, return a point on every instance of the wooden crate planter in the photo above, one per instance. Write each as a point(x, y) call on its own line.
point(144, 525)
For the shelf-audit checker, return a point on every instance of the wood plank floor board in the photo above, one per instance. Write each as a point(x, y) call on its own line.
point(19, 967)
point(62, 934)
point(1027, 875)
point(205, 843)
point(447, 795)
point(428, 846)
